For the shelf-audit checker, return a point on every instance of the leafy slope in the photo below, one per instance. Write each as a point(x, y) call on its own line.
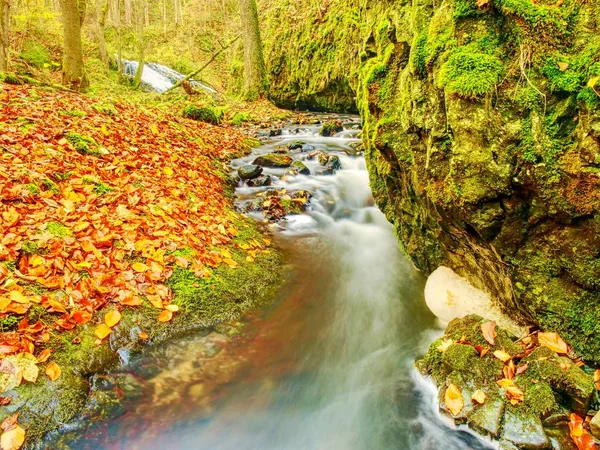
point(99, 206)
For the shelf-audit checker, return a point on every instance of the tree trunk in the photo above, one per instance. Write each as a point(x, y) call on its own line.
point(255, 83)
point(102, 8)
point(119, 43)
point(4, 34)
point(139, 12)
point(73, 72)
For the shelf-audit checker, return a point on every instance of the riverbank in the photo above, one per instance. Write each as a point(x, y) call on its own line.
point(118, 232)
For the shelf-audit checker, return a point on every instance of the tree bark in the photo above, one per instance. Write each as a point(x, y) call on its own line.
point(255, 82)
point(137, 81)
point(73, 72)
point(4, 34)
point(102, 8)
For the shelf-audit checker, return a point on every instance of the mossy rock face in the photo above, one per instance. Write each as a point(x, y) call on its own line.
point(552, 385)
point(274, 160)
point(481, 127)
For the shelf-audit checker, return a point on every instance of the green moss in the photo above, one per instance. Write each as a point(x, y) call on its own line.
point(10, 78)
point(105, 108)
point(209, 114)
point(330, 128)
point(58, 229)
point(84, 145)
point(33, 188)
point(469, 73)
point(32, 248)
point(35, 54)
point(51, 186)
point(102, 188)
point(239, 118)
point(9, 323)
point(62, 176)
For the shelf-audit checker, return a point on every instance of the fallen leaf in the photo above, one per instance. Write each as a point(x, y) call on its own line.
point(444, 345)
point(502, 355)
point(53, 371)
point(112, 318)
point(44, 355)
point(453, 400)
point(5, 401)
point(488, 330)
point(140, 267)
point(522, 368)
point(509, 370)
point(581, 437)
point(553, 342)
point(165, 316)
point(172, 308)
point(12, 439)
point(102, 331)
point(479, 396)
point(562, 66)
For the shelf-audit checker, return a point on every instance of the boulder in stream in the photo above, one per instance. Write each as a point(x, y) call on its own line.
point(273, 160)
point(263, 180)
point(249, 171)
point(331, 127)
point(298, 167)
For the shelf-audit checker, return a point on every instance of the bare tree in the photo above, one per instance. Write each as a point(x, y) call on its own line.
point(73, 72)
point(255, 82)
point(139, 18)
point(4, 34)
point(102, 11)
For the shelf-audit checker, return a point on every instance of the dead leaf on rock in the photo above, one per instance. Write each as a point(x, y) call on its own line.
point(553, 341)
point(453, 400)
point(488, 330)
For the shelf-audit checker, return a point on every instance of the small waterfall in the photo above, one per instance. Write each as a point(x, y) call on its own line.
point(159, 78)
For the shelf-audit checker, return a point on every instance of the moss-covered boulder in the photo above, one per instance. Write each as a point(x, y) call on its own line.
point(512, 390)
point(274, 160)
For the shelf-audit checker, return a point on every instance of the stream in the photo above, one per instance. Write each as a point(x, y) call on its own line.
point(328, 366)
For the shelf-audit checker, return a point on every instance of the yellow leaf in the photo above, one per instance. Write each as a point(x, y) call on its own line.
point(553, 342)
point(502, 355)
point(12, 439)
point(230, 262)
point(168, 171)
point(479, 396)
point(155, 300)
point(562, 66)
point(165, 316)
point(593, 82)
point(102, 331)
point(16, 296)
point(112, 318)
point(172, 308)
point(36, 261)
point(53, 371)
point(444, 345)
point(139, 267)
point(454, 400)
point(80, 226)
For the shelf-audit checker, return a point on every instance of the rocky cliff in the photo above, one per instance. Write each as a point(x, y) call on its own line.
point(481, 126)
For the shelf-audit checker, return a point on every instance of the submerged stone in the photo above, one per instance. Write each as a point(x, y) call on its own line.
point(487, 418)
point(264, 180)
point(298, 167)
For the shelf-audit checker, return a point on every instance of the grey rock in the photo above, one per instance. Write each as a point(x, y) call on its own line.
point(264, 180)
point(595, 425)
point(487, 418)
point(525, 431)
point(249, 171)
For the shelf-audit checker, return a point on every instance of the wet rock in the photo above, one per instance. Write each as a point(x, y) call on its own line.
point(524, 430)
point(323, 158)
point(281, 150)
point(249, 171)
point(308, 148)
point(274, 160)
point(298, 167)
point(334, 162)
point(103, 405)
point(560, 438)
point(275, 132)
point(264, 180)
point(595, 425)
point(312, 155)
point(296, 145)
point(331, 127)
point(487, 418)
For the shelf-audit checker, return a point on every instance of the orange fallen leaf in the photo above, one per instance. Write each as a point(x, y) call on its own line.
point(165, 316)
point(583, 440)
point(509, 370)
point(44, 355)
point(53, 371)
point(453, 400)
point(488, 330)
point(553, 342)
point(102, 331)
point(597, 378)
point(112, 318)
point(502, 355)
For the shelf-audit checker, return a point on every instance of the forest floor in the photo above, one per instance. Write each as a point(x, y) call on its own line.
point(117, 229)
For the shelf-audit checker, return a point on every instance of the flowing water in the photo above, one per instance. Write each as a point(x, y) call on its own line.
point(329, 366)
point(160, 78)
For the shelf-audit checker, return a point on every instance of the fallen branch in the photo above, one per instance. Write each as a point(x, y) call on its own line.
point(204, 66)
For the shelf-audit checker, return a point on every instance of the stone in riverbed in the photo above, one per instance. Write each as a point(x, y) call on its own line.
point(296, 145)
point(487, 418)
point(595, 425)
point(273, 160)
point(298, 167)
point(331, 127)
point(524, 430)
point(249, 171)
point(264, 180)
